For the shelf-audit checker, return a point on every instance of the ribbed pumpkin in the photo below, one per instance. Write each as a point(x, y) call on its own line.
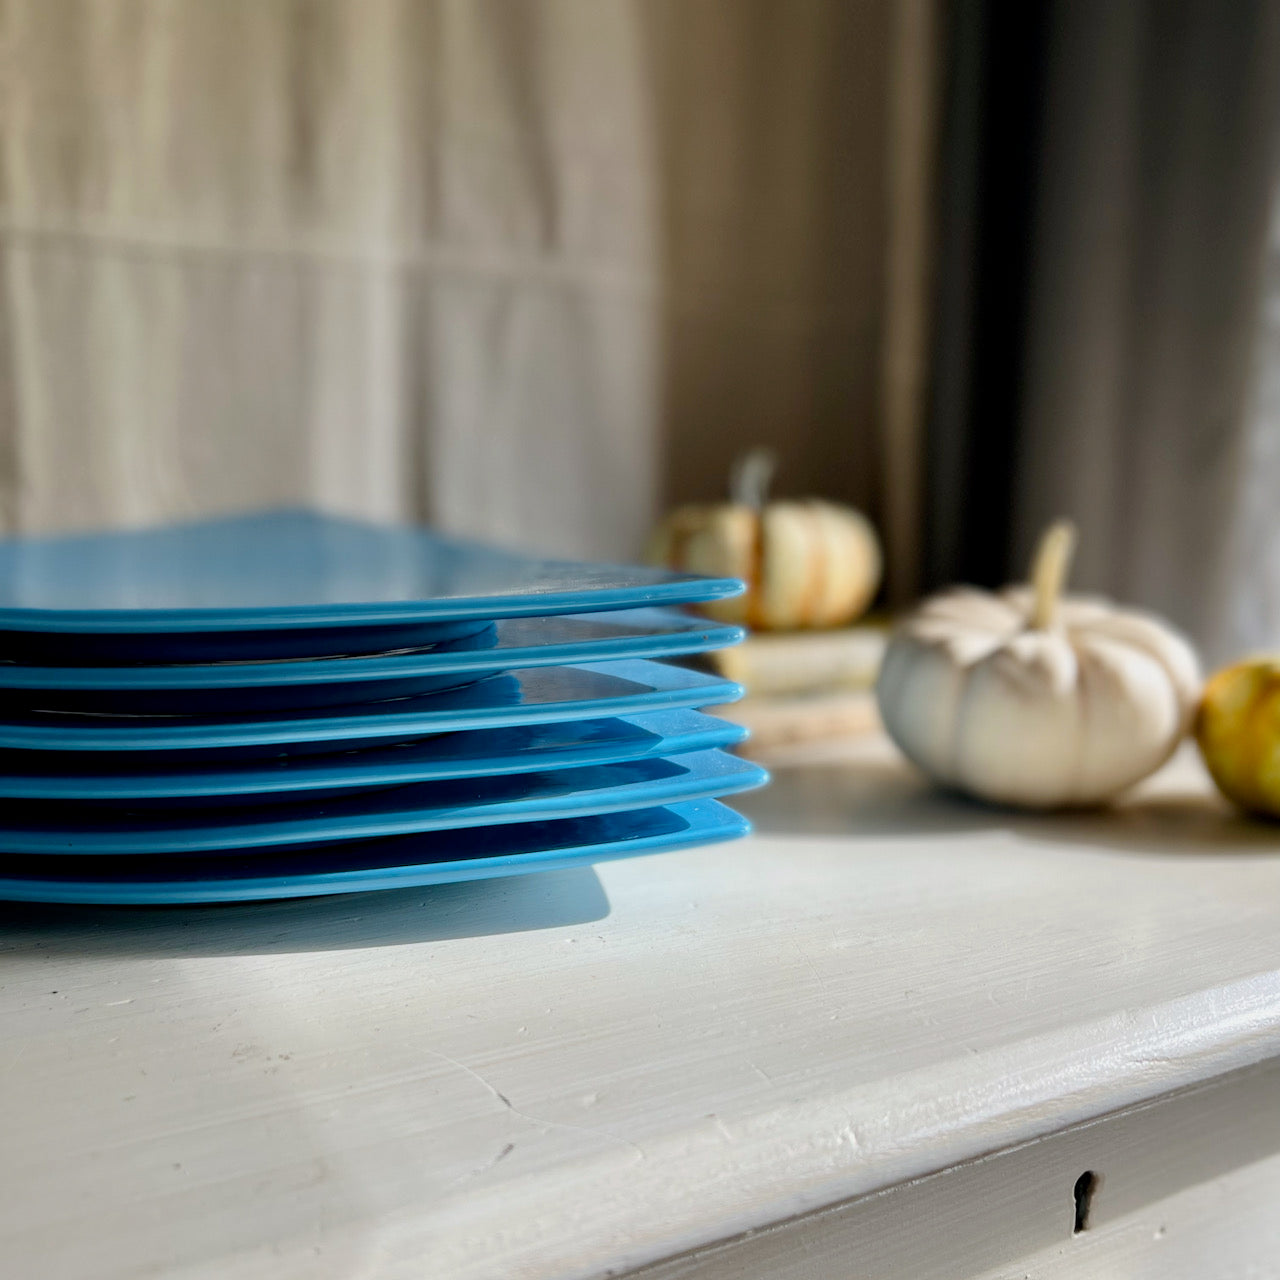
point(806, 563)
point(1029, 698)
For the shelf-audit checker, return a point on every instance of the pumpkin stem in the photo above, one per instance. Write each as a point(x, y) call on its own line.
point(750, 477)
point(1049, 571)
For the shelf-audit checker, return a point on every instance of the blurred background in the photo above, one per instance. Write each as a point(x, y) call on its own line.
point(535, 270)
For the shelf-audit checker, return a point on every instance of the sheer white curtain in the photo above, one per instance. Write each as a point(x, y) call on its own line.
point(524, 269)
point(1151, 399)
point(1247, 616)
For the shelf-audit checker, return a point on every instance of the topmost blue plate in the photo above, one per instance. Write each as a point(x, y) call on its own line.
point(295, 569)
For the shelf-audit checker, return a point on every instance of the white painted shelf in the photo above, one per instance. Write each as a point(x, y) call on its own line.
point(581, 1074)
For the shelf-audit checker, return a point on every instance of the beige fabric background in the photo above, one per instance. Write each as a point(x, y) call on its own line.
point(527, 269)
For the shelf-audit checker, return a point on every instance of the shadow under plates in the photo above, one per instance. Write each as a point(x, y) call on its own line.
point(879, 798)
point(432, 913)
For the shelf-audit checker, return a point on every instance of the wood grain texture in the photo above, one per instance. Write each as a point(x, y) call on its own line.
point(1182, 1187)
point(575, 1076)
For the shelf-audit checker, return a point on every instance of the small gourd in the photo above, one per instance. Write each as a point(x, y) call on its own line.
point(1027, 698)
point(806, 563)
point(1238, 732)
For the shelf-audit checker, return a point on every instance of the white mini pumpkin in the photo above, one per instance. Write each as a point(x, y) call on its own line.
point(1028, 699)
point(806, 563)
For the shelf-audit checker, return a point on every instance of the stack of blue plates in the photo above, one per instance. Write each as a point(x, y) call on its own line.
point(290, 704)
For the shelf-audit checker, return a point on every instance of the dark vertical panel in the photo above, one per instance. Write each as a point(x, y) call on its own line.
point(992, 116)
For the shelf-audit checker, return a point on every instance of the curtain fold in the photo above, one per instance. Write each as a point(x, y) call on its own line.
point(389, 257)
point(1159, 170)
point(1112, 340)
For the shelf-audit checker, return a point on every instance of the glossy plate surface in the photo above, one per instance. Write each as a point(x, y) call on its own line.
point(521, 749)
point(281, 644)
point(299, 569)
point(400, 862)
point(539, 695)
point(35, 827)
point(186, 688)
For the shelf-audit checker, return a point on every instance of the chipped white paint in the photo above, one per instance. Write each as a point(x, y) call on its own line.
point(1185, 1188)
point(524, 1080)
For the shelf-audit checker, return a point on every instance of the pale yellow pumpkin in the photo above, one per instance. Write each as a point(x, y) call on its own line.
point(1238, 732)
point(806, 563)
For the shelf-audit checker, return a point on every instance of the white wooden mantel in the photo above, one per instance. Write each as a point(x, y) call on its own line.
point(883, 1037)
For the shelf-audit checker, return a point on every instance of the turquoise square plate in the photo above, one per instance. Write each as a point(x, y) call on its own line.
point(537, 696)
point(38, 828)
point(395, 863)
point(193, 688)
point(96, 777)
point(233, 587)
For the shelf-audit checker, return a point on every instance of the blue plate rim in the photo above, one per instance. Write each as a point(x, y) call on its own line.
point(707, 822)
point(322, 531)
point(317, 774)
point(709, 774)
point(686, 641)
point(668, 687)
point(305, 617)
